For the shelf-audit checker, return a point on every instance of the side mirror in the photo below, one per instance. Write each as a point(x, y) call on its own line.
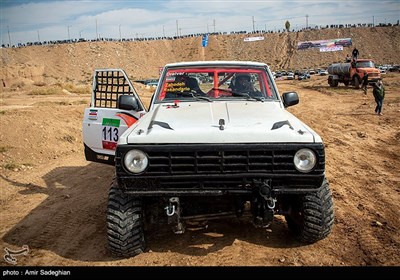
point(290, 98)
point(127, 102)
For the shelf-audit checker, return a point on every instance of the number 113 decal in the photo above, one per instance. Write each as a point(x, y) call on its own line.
point(110, 133)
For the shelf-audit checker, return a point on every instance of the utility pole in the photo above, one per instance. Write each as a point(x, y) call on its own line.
point(163, 30)
point(373, 21)
point(253, 24)
point(69, 37)
point(9, 38)
point(306, 21)
point(177, 28)
point(97, 35)
point(80, 33)
point(38, 36)
point(207, 28)
point(214, 25)
point(120, 37)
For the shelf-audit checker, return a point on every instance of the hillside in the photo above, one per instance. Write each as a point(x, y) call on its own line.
point(141, 59)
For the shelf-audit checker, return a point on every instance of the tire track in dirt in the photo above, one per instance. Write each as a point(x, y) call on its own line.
point(377, 250)
point(69, 220)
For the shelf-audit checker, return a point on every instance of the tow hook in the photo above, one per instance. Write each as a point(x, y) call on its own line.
point(271, 202)
point(170, 210)
point(173, 211)
point(264, 203)
point(266, 193)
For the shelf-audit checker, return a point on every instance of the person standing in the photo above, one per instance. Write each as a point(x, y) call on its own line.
point(379, 95)
point(348, 58)
point(364, 82)
point(355, 54)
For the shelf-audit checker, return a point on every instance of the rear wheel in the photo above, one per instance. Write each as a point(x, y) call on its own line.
point(332, 82)
point(125, 231)
point(311, 216)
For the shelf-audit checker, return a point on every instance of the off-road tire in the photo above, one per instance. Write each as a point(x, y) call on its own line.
point(312, 216)
point(125, 231)
point(332, 82)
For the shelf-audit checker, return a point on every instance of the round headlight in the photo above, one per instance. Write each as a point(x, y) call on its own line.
point(135, 161)
point(304, 160)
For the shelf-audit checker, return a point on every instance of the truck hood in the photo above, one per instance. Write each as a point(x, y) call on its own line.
point(369, 70)
point(219, 122)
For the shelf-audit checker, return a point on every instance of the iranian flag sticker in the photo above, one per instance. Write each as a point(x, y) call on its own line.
point(93, 114)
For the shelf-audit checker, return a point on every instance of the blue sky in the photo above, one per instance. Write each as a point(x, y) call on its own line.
point(25, 21)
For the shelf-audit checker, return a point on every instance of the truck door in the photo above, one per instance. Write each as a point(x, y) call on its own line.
point(104, 122)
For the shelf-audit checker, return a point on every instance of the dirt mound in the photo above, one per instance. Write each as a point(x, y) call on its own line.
point(141, 59)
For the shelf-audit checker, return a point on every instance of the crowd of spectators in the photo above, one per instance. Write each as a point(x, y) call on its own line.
point(260, 32)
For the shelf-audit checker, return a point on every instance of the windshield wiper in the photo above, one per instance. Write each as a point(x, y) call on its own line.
point(197, 96)
point(203, 98)
point(248, 97)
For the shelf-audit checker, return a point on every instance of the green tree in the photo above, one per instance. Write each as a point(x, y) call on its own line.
point(287, 25)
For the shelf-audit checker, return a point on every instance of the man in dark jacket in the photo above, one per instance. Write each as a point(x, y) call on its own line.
point(379, 95)
point(364, 82)
point(355, 54)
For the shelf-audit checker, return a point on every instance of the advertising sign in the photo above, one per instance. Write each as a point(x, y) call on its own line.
point(252, 39)
point(204, 41)
point(344, 42)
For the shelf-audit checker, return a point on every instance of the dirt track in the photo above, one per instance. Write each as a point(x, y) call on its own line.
point(54, 201)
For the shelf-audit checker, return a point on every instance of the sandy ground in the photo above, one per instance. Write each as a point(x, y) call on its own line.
point(54, 201)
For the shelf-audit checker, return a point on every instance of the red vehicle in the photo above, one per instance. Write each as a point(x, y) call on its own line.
point(352, 73)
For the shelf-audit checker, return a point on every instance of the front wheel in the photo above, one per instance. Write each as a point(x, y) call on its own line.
point(311, 217)
point(125, 231)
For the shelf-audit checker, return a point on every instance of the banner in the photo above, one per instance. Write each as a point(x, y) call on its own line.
point(331, 49)
point(344, 42)
point(251, 39)
point(204, 41)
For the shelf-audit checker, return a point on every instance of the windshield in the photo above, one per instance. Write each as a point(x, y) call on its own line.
point(365, 64)
point(215, 84)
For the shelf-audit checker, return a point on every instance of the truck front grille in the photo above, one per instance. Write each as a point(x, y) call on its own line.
point(202, 159)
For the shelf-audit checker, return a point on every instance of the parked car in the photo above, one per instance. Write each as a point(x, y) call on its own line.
point(290, 76)
point(152, 84)
point(323, 72)
point(303, 76)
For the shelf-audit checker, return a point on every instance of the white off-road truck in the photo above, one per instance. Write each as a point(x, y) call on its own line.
point(216, 142)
